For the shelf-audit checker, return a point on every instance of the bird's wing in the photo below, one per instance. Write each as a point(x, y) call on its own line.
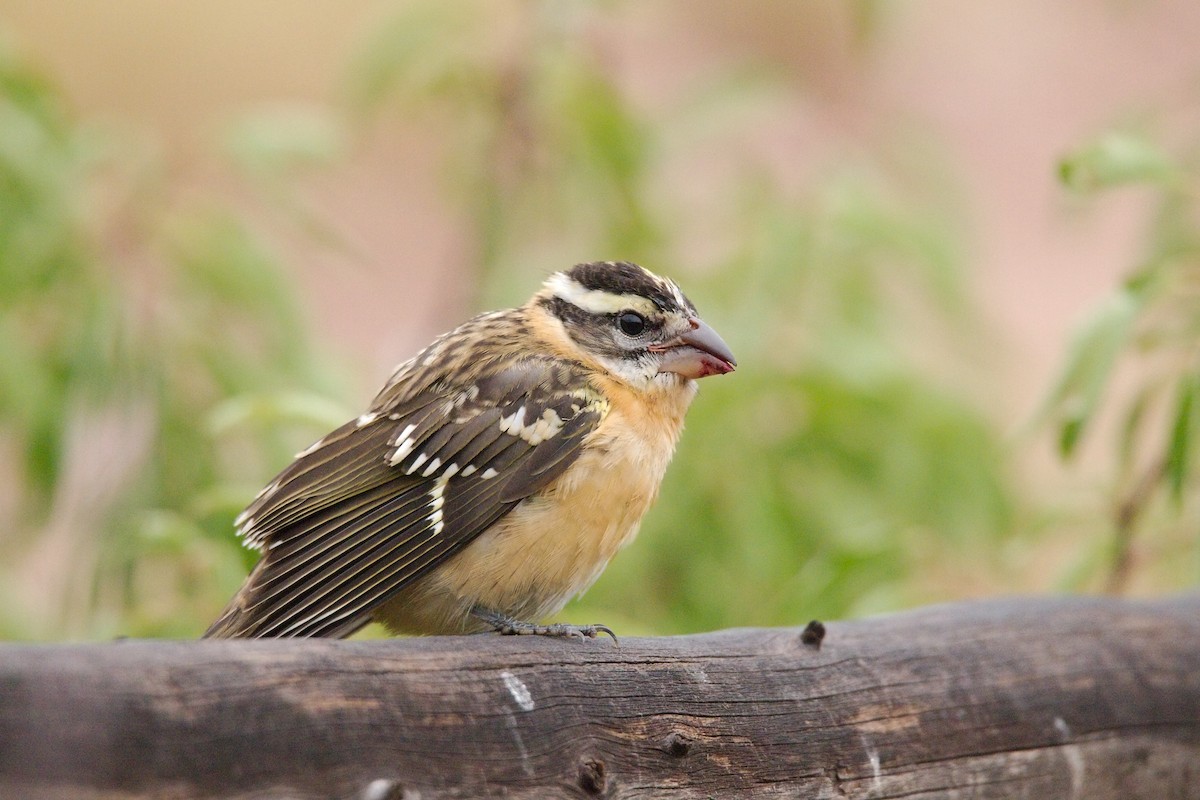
point(386, 498)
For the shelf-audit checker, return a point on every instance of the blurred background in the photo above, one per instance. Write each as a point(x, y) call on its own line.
point(955, 246)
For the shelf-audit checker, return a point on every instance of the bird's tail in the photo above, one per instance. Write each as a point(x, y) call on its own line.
point(246, 617)
point(233, 623)
point(238, 620)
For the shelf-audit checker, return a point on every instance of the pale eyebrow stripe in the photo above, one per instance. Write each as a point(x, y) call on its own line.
point(596, 301)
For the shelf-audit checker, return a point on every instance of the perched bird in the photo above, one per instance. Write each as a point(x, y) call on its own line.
point(495, 474)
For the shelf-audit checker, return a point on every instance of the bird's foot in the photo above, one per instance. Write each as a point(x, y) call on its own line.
point(510, 626)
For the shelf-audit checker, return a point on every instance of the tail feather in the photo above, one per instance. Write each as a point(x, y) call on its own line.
point(243, 619)
point(236, 621)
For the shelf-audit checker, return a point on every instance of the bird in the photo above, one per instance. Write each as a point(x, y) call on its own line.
point(492, 478)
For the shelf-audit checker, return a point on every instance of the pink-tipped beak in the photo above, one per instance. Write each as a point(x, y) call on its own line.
point(697, 354)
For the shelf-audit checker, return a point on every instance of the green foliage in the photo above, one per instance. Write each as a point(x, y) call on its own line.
point(1117, 158)
point(824, 494)
point(1155, 315)
point(1151, 326)
point(545, 148)
point(1090, 361)
point(125, 331)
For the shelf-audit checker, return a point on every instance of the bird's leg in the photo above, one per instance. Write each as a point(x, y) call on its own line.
point(510, 626)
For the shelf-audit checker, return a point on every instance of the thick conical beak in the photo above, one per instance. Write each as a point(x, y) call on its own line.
point(696, 354)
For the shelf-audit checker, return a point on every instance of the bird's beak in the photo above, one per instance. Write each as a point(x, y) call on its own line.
point(696, 354)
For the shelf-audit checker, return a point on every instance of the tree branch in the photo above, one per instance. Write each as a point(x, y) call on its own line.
point(1088, 698)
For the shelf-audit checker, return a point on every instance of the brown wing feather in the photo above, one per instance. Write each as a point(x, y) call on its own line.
point(337, 467)
point(355, 520)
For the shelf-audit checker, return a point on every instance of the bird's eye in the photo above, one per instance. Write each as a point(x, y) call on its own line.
point(631, 323)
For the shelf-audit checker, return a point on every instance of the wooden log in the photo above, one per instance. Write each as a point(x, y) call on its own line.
point(1045, 698)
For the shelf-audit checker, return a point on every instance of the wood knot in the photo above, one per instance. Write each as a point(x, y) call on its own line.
point(677, 744)
point(813, 634)
point(591, 776)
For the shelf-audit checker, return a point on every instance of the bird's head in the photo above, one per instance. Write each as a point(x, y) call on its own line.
point(636, 325)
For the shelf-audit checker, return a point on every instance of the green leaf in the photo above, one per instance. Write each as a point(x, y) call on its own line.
point(284, 138)
point(1091, 357)
point(1115, 159)
point(427, 51)
point(272, 408)
point(1133, 424)
point(1182, 430)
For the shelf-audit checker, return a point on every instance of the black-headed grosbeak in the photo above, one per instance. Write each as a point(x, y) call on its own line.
point(495, 474)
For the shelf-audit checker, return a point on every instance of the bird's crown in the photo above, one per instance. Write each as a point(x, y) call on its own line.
point(609, 287)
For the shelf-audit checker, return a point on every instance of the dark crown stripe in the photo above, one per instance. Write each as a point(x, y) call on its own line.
point(622, 277)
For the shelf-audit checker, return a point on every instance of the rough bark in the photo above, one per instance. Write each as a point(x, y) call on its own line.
point(1046, 698)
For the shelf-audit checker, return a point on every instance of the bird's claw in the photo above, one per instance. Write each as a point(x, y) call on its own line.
point(558, 629)
point(508, 626)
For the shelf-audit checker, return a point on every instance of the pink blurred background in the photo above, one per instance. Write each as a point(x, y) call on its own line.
point(1002, 89)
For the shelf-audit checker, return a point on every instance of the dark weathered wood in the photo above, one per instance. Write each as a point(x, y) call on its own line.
point(1048, 698)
